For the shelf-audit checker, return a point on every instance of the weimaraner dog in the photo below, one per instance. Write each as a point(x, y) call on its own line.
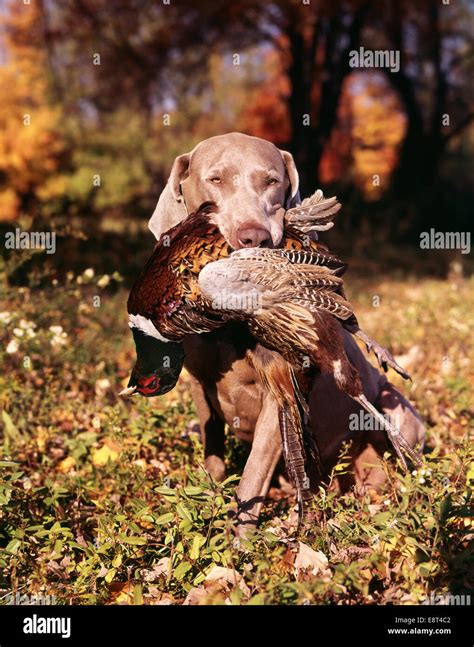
point(253, 183)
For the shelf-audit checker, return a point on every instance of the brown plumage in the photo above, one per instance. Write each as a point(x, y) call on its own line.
point(292, 300)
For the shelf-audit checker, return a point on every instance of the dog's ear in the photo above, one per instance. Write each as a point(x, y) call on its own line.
point(171, 208)
point(179, 172)
point(293, 195)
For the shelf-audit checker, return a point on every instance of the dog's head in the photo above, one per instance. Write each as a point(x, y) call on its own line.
point(251, 181)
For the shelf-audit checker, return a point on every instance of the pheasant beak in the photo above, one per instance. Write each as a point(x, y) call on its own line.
point(129, 390)
point(147, 385)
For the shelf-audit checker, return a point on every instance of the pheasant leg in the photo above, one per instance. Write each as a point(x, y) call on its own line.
point(384, 356)
point(394, 434)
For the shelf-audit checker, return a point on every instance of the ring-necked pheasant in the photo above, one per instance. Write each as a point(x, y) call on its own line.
point(291, 299)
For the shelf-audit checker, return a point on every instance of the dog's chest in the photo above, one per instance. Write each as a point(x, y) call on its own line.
point(218, 361)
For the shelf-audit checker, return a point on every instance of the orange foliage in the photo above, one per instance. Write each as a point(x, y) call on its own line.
point(265, 113)
point(336, 160)
point(362, 149)
point(366, 142)
point(30, 143)
point(378, 129)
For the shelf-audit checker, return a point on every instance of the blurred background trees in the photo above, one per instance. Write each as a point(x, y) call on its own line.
point(31, 141)
point(115, 89)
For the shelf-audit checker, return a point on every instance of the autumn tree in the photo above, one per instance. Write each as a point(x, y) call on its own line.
point(30, 142)
point(139, 82)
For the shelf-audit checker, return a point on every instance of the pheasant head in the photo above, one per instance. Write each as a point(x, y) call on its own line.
point(159, 361)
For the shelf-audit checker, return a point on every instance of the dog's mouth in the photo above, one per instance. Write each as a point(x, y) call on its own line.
point(243, 238)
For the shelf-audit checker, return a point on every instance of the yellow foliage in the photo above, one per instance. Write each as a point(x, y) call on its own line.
point(108, 452)
point(30, 141)
point(67, 464)
point(9, 204)
point(377, 132)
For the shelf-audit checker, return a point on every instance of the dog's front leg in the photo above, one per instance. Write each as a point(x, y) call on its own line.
point(212, 431)
point(261, 463)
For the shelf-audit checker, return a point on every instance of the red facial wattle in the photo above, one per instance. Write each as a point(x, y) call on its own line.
point(148, 385)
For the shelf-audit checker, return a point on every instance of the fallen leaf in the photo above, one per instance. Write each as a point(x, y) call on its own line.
point(108, 452)
point(196, 596)
point(222, 575)
point(42, 434)
point(66, 465)
point(310, 561)
point(165, 600)
point(103, 572)
point(159, 569)
point(215, 592)
point(121, 593)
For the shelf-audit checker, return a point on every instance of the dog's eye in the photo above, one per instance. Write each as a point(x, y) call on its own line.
point(272, 180)
point(215, 179)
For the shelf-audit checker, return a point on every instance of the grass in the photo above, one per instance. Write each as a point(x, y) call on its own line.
point(105, 501)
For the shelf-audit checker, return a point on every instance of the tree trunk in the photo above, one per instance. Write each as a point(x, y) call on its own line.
point(308, 141)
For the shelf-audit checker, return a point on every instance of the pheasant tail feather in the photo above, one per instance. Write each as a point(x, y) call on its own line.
point(293, 453)
point(315, 213)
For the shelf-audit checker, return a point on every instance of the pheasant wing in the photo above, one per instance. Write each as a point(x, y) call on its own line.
point(252, 280)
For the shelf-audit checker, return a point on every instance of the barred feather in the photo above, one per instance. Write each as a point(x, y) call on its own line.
point(277, 276)
point(296, 257)
point(327, 303)
point(293, 453)
point(315, 213)
point(300, 453)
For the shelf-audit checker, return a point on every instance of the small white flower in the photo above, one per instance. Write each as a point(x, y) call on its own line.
point(422, 480)
point(386, 502)
point(84, 308)
point(422, 472)
point(30, 333)
point(415, 472)
point(103, 281)
point(59, 336)
point(12, 347)
point(89, 273)
point(18, 332)
point(102, 385)
point(403, 489)
point(5, 317)
point(27, 484)
point(26, 325)
point(58, 341)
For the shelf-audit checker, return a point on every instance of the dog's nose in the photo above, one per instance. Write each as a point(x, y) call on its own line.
point(254, 237)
